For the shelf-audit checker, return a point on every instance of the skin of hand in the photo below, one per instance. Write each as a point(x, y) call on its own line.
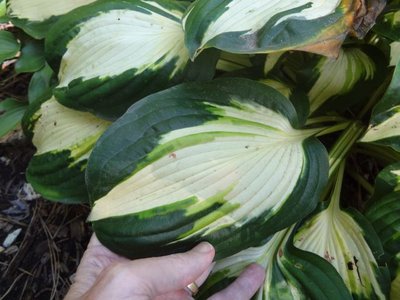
point(103, 274)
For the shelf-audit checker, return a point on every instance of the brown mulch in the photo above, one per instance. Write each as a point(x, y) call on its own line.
point(52, 237)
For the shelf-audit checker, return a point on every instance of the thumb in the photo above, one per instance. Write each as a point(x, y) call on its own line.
point(174, 272)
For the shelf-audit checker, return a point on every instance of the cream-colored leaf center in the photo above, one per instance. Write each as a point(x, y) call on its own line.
point(40, 10)
point(258, 165)
point(61, 128)
point(120, 40)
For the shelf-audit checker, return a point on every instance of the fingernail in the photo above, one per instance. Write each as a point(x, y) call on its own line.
point(204, 247)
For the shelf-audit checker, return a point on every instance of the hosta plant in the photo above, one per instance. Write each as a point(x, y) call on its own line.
point(269, 128)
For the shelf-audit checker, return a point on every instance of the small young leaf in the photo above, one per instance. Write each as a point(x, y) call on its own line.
point(11, 112)
point(9, 45)
point(32, 56)
point(40, 86)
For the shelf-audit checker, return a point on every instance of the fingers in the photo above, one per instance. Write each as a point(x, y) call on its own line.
point(245, 286)
point(170, 273)
point(203, 277)
point(184, 294)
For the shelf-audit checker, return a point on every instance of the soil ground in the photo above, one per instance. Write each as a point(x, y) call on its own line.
point(41, 242)
point(51, 239)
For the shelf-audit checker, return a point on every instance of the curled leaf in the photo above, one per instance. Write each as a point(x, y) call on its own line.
point(245, 26)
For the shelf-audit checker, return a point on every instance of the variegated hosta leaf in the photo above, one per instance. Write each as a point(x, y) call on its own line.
point(387, 181)
point(64, 139)
point(349, 243)
point(384, 126)
point(36, 16)
point(339, 76)
point(384, 216)
point(222, 161)
point(129, 48)
point(290, 272)
point(247, 26)
point(332, 83)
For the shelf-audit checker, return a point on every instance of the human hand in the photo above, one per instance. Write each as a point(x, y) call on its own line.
point(104, 275)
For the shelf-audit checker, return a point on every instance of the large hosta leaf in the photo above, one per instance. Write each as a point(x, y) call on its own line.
point(220, 161)
point(246, 26)
point(129, 48)
point(64, 139)
point(384, 126)
point(36, 16)
point(290, 272)
point(349, 243)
